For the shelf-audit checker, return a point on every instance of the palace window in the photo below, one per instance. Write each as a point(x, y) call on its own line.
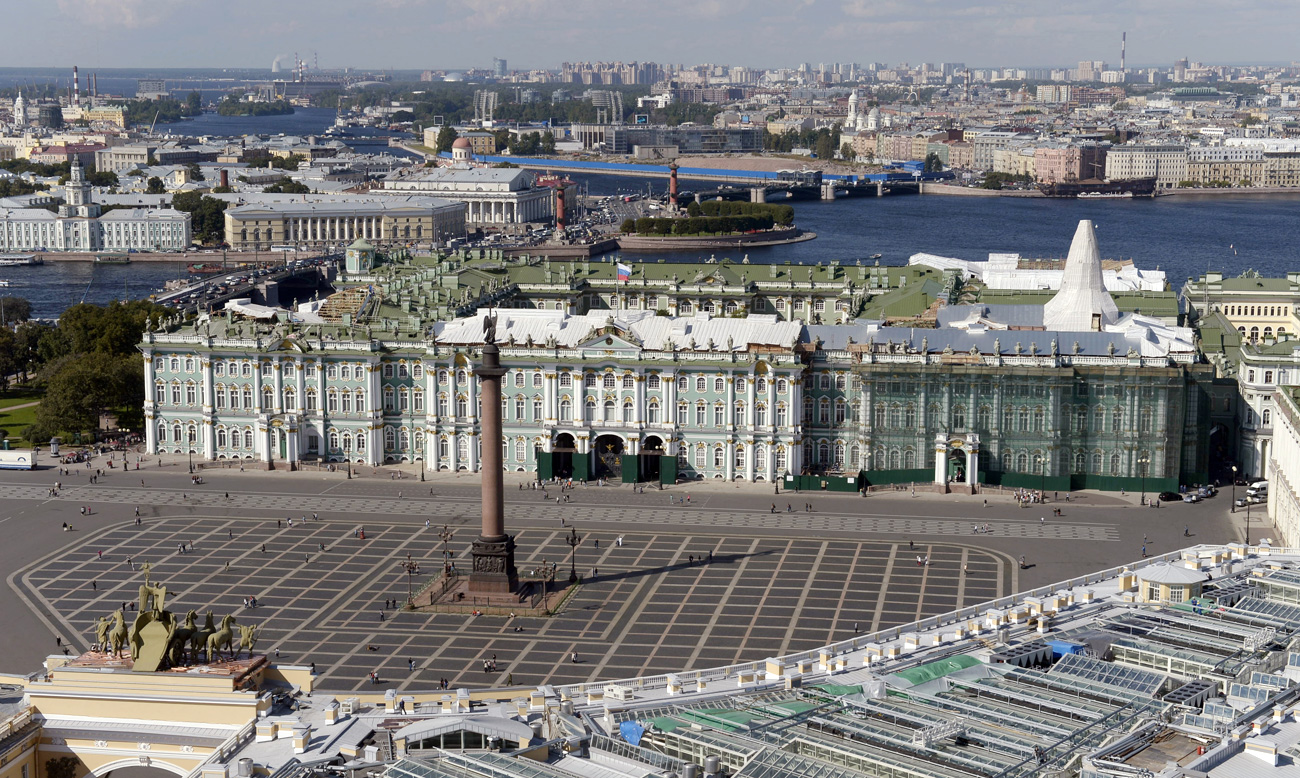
point(699, 414)
point(388, 373)
point(537, 409)
point(290, 399)
point(519, 408)
point(608, 381)
point(627, 412)
point(782, 416)
point(653, 381)
point(566, 410)
point(652, 412)
point(701, 384)
point(719, 386)
point(629, 382)
point(682, 411)
point(760, 415)
point(591, 410)
point(566, 380)
point(718, 414)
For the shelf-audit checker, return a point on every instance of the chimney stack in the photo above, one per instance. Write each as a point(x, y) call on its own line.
point(76, 87)
point(1123, 44)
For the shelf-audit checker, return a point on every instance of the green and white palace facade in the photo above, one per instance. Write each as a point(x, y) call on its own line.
point(1066, 392)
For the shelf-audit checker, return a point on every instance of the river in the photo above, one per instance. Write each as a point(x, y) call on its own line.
point(1184, 236)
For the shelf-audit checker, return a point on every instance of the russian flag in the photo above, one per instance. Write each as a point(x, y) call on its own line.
point(624, 272)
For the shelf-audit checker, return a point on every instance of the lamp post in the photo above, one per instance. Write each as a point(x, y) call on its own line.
point(190, 453)
point(1144, 460)
point(1232, 506)
point(574, 540)
point(1042, 474)
point(1248, 520)
point(445, 535)
point(412, 569)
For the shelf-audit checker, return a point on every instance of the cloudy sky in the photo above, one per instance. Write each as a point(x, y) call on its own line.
point(543, 33)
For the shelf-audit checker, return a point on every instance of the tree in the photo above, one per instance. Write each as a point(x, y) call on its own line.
point(287, 185)
point(195, 172)
point(932, 163)
point(446, 137)
point(85, 387)
point(847, 152)
point(824, 147)
point(628, 226)
point(548, 143)
point(155, 186)
point(14, 310)
point(207, 222)
point(103, 178)
point(194, 103)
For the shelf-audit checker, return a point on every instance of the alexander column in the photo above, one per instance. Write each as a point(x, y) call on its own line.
point(493, 551)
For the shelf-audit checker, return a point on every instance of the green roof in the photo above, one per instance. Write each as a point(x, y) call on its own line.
point(929, 672)
point(838, 690)
point(360, 243)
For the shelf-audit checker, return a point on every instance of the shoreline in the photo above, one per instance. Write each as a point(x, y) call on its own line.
point(693, 243)
point(1229, 191)
point(188, 258)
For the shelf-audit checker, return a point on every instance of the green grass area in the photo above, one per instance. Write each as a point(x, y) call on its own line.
point(15, 422)
point(12, 397)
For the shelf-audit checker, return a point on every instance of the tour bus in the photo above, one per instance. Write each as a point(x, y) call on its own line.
point(17, 460)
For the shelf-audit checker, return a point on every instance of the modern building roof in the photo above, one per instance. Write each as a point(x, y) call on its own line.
point(1170, 574)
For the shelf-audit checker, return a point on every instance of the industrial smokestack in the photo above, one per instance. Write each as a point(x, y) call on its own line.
point(94, 85)
point(1123, 44)
point(225, 178)
point(76, 86)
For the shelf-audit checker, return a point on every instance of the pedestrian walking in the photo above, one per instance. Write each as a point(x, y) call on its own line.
point(94, 586)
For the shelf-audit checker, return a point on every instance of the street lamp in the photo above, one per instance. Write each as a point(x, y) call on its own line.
point(573, 540)
point(1232, 506)
point(412, 569)
point(1042, 474)
point(445, 536)
point(1144, 460)
point(1248, 503)
point(190, 453)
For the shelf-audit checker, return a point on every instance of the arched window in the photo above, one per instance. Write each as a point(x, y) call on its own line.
point(719, 386)
point(701, 384)
point(840, 410)
point(388, 399)
point(760, 415)
point(390, 438)
point(823, 453)
point(519, 379)
point(782, 386)
point(537, 380)
point(839, 455)
point(1022, 462)
point(591, 410)
point(739, 458)
point(404, 440)
point(909, 416)
point(521, 451)
point(984, 418)
point(628, 412)
point(841, 382)
point(462, 406)
point(909, 459)
point(629, 382)
point(609, 381)
point(1267, 417)
point(1038, 418)
point(444, 448)
point(719, 457)
point(894, 461)
point(959, 417)
point(566, 410)
point(267, 398)
point(221, 437)
point(1096, 463)
point(1114, 464)
point(824, 411)
point(760, 458)
point(652, 412)
point(290, 399)
point(608, 410)
point(361, 442)
point(653, 381)
point(782, 415)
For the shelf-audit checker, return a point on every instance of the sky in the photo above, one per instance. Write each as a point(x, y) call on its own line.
point(453, 34)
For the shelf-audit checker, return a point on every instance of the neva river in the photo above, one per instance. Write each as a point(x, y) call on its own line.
point(1183, 236)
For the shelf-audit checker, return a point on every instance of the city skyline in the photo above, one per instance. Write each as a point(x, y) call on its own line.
point(459, 34)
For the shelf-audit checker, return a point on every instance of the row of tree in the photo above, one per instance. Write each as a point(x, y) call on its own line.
point(781, 214)
point(824, 141)
point(207, 215)
point(164, 110)
point(697, 225)
point(85, 365)
point(233, 106)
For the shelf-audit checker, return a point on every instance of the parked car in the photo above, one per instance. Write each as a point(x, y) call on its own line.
point(1170, 497)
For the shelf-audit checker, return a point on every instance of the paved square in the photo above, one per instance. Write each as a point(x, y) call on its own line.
point(654, 607)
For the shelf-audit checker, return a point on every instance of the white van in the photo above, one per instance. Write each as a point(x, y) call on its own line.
point(1257, 488)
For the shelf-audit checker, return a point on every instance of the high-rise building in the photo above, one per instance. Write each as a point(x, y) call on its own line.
point(498, 67)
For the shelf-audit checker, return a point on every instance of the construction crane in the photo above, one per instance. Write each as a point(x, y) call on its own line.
point(154, 123)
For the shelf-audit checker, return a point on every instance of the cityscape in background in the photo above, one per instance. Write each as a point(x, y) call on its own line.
point(891, 419)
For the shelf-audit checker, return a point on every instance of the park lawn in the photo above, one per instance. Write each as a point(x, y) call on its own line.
point(15, 422)
point(12, 397)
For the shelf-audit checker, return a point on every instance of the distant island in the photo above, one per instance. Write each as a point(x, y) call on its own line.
point(233, 107)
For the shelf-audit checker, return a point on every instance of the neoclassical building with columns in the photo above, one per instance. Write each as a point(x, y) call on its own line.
point(1063, 394)
point(640, 396)
point(312, 221)
point(494, 196)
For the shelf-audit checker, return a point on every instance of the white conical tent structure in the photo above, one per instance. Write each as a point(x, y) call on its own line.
point(1082, 303)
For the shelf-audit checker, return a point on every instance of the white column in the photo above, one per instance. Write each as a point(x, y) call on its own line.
point(749, 461)
point(730, 414)
point(940, 459)
point(749, 402)
point(453, 451)
point(729, 451)
point(277, 404)
point(640, 401)
point(670, 399)
point(474, 436)
point(549, 399)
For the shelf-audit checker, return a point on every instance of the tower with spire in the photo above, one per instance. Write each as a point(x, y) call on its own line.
point(77, 200)
point(1082, 303)
point(20, 110)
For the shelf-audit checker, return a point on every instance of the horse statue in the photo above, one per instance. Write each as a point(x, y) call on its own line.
point(101, 633)
point(247, 639)
point(118, 635)
point(222, 637)
point(180, 638)
point(199, 638)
